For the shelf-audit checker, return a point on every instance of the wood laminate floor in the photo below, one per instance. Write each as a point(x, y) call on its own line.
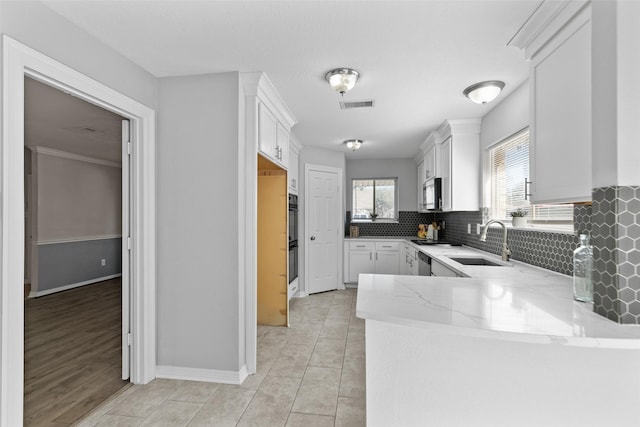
point(72, 353)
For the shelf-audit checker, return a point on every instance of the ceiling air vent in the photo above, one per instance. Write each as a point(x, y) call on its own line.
point(357, 104)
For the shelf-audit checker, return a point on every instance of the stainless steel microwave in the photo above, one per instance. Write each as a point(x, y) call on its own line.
point(432, 194)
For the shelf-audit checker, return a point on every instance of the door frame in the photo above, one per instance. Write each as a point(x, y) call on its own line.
point(19, 61)
point(307, 212)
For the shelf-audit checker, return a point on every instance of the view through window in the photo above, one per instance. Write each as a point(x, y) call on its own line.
point(509, 171)
point(374, 198)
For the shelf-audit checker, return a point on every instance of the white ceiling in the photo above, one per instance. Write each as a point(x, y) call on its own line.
point(54, 119)
point(415, 57)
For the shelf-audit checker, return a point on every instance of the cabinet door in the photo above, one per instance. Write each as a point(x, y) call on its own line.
point(404, 260)
point(292, 172)
point(430, 164)
point(359, 262)
point(282, 143)
point(267, 132)
point(413, 266)
point(445, 173)
point(560, 145)
point(387, 262)
point(420, 183)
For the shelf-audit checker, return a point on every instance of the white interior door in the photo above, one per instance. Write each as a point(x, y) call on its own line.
point(126, 306)
point(323, 222)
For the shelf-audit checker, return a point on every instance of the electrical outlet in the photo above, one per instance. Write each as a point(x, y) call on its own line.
point(478, 227)
point(103, 262)
point(468, 228)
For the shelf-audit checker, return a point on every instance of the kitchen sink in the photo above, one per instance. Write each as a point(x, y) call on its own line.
point(476, 261)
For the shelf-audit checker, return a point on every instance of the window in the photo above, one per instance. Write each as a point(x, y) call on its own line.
point(374, 198)
point(509, 170)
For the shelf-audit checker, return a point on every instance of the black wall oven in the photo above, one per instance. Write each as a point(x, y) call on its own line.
point(293, 237)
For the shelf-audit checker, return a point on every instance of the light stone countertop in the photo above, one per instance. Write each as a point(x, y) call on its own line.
point(517, 302)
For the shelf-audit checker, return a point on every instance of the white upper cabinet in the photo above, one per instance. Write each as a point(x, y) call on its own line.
point(430, 162)
point(269, 120)
point(273, 137)
point(557, 42)
point(282, 145)
point(267, 133)
point(459, 165)
point(421, 207)
point(293, 171)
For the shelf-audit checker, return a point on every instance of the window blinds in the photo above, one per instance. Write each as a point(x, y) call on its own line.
point(509, 170)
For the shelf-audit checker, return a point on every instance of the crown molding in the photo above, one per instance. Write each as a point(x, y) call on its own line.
point(64, 154)
point(459, 126)
point(258, 84)
point(544, 23)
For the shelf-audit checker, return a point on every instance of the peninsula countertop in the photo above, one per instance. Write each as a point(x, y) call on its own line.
point(516, 302)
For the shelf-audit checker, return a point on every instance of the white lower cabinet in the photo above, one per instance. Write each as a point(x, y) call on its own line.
point(409, 261)
point(379, 257)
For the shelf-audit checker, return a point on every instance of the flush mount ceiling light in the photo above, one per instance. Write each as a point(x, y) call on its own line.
point(353, 144)
point(484, 92)
point(342, 79)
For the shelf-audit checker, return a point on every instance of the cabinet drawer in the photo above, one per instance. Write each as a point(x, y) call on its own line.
point(387, 246)
point(361, 246)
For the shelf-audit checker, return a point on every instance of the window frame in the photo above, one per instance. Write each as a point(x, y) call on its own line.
point(556, 226)
point(396, 200)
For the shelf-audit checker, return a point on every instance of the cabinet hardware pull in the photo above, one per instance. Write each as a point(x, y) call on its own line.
point(360, 246)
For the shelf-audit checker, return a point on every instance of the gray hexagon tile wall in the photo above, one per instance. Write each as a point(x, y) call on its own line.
point(616, 253)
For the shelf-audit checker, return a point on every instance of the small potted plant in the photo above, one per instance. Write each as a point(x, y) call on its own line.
point(373, 216)
point(519, 218)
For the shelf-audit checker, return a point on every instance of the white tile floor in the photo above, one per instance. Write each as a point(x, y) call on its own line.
point(311, 374)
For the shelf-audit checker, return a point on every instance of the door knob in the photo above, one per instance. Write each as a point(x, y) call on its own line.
point(313, 237)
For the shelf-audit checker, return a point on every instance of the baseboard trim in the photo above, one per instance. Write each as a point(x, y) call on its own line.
point(204, 375)
point(73, 285)
point(301, 294)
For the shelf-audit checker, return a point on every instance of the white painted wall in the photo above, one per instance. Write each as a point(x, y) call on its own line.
point(508, 117)
point(322, 157)
point(198, 282)
point(403, 169)
point(77, 199)
point(37, 26)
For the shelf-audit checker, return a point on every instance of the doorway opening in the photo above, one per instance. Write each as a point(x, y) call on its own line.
point(20, 62)
point(74, 221)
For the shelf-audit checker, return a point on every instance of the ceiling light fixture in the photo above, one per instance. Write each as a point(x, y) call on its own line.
point(353, 144)
point(342, 79)
point(484, 92)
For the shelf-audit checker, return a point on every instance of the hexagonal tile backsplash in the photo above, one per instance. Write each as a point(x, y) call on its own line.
point(613, 221)
point(616, 253)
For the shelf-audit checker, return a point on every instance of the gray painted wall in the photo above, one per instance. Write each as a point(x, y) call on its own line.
point(198, 280)
point(403, 169)
point(54, 261)
point(322, 157)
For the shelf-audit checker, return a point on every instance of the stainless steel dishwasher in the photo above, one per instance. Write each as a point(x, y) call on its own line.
point(424, 264)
